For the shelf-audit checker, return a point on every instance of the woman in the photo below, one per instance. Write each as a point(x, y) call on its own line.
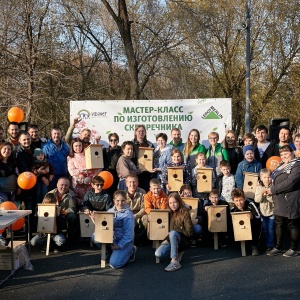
point(235, 153)
point(297, 144)
point(286, 195)
point(110, 158)
point(181, 231)
point(192, 148)
point(140, 140)
point(123, 250)
point(81, 178)
point(161, 155)
point(8, 178)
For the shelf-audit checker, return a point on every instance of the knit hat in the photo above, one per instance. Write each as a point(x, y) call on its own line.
point(37, 152)
point(246, 148)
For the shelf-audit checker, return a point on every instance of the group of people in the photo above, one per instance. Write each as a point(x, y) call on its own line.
point(63, 179)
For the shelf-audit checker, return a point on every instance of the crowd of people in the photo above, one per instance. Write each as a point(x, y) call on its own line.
point(63, 179)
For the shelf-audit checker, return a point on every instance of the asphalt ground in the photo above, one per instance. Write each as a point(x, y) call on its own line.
point(206, 274)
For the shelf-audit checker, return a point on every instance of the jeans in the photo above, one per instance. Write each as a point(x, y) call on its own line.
point(294, 227)
point(122, 184)
point(40, 239)
point(41, 191)
point(268, 224)
point(197, 231)
point(71, 222)
point(169, 248)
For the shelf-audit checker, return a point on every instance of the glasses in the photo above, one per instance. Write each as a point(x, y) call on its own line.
point(113, 140)
point(99, 184)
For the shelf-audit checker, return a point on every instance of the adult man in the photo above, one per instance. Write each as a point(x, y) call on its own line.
point(284, 137)
point(56, 151)
point(264, 149)
point(84, 136)
point(135, 199)
point(12, 133)
point(176, 139)
point(36, 141)
point(67, 217)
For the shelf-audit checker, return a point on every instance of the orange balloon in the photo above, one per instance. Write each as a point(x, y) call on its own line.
point(15, 114)
point(26, 180)
point(273, 162)
point(8, 205)
point(108, 179)
point(2, 230)
point(18, 224)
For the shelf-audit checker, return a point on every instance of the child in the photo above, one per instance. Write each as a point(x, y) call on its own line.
point(59, 239)
point(123, 250)
point(44, 172)
point(266, 207)
point(186, 191)
point(225, 182)
point(249, 164)
point(248, 139)
point(96, 199)
point(155, 198)
point(241, 204)
point(176, 161)
point(200, 163)
point(214, 200)
point(215, 153)
point(125, 166)
point(181, 230)
point(82, 187)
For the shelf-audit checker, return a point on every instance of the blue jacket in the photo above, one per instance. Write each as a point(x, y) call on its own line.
point(161, 159)
point(123, 226)
point(245, 166)
point(57, 156)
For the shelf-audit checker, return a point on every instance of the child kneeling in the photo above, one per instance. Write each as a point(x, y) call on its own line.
point(181, 231)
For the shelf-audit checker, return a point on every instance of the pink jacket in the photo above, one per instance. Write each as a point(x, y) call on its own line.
point(76, 165)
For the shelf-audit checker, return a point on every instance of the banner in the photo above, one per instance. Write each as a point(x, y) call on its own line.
point(121, 116)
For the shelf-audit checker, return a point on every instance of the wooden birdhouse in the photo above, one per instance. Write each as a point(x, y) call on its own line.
point(159, 224)
point(217, 218)
point(241, 226)
point(87, 226)
point(250, 183)
point(47, 218)
point(193, 204)
point(104, 227)
point(94, 157)
point(204, 180)
point(175, 178)
point(145, 158)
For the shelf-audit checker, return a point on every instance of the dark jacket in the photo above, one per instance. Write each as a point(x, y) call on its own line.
point(96, 201)
point(235, 156)
point(23, 158)
point(286, 193)
point(110, 157)
point(272, 150)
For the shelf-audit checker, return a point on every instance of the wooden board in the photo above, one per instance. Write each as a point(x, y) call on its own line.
point(193, 203)
point(104, 227)
point(94, 157)
point(47, 218)
point(158, 224)
point(175, 178)
point(87, 226)
point(145, 158)
point(250, 184)
point(204, 180)
point(241, 226)
point(217, 218)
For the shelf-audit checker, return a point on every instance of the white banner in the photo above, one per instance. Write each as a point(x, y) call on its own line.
point(121, 116)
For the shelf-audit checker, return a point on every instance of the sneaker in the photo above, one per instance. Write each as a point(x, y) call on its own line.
point(290, 253)
point(173, 266)
point(274, 252)
point(254, 251)
point(55, 250)
point(2, 241)
point(268, 250)
point(132, 256)
point(179, 256)
point(193, 243)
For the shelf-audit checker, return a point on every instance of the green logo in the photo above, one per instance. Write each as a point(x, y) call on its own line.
point(212, 114)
